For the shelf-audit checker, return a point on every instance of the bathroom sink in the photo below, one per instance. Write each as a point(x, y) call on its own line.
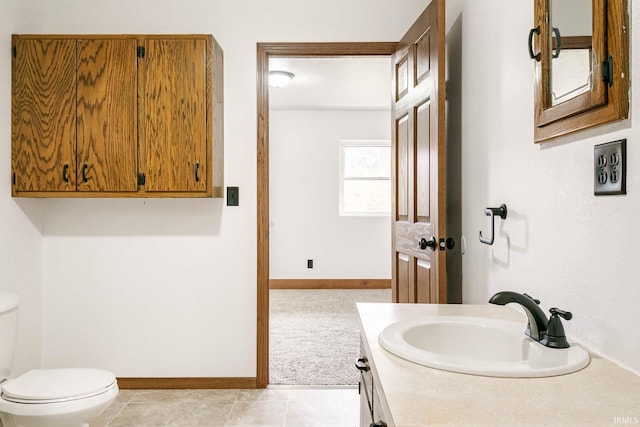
point(479, 346)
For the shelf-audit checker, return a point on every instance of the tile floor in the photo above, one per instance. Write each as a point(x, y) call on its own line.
point(286, 407)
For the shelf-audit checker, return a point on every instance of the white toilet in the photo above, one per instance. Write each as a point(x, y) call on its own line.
point(47, 397)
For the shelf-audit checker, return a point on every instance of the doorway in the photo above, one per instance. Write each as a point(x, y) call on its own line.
point(329, 212)
point(265, 53)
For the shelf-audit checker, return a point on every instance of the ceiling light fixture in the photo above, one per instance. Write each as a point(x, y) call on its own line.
point(280, 78)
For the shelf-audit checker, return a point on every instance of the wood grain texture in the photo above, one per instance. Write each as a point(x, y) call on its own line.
point(604, 103)
point(424, 293)
point(426, 171)
point(215, 118)
point(422, 153)
point(173, 112)
point(422, 53)
point(262, 282)
point(402, 168)
point(329, 283)
point(403, 279)
point(187, 383)
point(107, 115)
point(547, 112)
point(264, 51)
point(401, 77)
point(111, 194)
point(97, 103)
point(43, 131)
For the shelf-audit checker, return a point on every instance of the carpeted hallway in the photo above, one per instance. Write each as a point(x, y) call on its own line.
point(314, 335)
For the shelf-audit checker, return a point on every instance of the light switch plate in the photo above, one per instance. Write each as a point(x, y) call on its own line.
point(610, 168)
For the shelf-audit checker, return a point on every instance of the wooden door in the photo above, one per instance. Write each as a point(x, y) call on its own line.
point(107, 116)
point(173, 115)
point(44, 115)
point(419, 275)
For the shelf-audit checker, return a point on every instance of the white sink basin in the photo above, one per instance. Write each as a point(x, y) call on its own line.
point(479, 346)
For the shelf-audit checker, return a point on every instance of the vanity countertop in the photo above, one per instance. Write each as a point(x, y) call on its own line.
point(602, 394)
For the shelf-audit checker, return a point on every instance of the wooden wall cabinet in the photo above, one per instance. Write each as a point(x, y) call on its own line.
point(581, 49)
point(117, 116)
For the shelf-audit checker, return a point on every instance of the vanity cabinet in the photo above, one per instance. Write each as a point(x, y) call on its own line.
point(372, 413)
point(412, 395)
point(117, 116)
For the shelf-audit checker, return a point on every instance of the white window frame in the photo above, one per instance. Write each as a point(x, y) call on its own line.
point(342, 178)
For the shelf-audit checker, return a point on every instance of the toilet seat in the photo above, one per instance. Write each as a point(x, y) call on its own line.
point(42, 386)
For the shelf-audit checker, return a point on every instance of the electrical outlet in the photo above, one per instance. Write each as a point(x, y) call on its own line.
point(610, 168)
point(233, 196)
point(309, 263)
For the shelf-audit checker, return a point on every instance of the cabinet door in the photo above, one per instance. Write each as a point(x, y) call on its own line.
point(172, 116)
point(44, 115)
point(107, 115)
point(365, 411)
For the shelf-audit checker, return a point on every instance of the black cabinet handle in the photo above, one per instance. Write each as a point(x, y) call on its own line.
point(84, 173)
point(196, 171)
point(65, 173)
point(556, 32)
point(362, 364)
point(531, 33)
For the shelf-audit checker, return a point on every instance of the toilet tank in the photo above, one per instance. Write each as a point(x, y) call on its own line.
point(8, 331)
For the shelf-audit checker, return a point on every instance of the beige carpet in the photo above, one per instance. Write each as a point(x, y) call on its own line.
point(314, 335)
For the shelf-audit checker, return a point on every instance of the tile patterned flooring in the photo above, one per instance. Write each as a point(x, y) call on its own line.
point(284, 407)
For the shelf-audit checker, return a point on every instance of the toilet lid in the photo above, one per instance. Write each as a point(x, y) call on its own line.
point(57, 384)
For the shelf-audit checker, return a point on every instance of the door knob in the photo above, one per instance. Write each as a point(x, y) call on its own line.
point(431, 243)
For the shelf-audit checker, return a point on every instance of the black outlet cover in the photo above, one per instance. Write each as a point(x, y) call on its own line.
point(610, 168)
point(233, 196)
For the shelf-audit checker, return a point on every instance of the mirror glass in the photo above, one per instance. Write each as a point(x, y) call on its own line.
point(571, 65)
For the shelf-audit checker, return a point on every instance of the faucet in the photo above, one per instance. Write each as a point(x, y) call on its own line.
point(548, 332)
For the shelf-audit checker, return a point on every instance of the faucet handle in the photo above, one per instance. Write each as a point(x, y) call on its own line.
point(554, 336)
point(564, 314)
point(537, 301)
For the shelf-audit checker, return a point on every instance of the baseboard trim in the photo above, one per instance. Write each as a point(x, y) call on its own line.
point(187, 382)
point(330, 284)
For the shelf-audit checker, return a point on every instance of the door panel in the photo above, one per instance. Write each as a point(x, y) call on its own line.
point(174, 115)
point(402, 159)
point(107, 117)
point(422, 53)
point(423, 204)
point(402, 261)
point(44, 115)
point(423, 281)
point(402, 77)
point(419, 275)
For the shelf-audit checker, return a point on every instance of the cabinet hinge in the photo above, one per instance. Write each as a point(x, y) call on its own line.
point(141, 179)
point(15, 51)
point(607, 71)
point(13, 178)
point(140, 51)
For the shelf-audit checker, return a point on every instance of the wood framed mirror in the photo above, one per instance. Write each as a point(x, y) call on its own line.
point(581, 49)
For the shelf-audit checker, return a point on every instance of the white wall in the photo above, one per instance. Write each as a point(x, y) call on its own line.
point(559, 243)
point(20, 220)
point(168, 287)
point(304, 154)
point(127, 282)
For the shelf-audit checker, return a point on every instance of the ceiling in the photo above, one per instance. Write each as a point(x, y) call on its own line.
point(333, 83)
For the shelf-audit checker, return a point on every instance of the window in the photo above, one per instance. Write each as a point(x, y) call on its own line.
point(365, 178)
